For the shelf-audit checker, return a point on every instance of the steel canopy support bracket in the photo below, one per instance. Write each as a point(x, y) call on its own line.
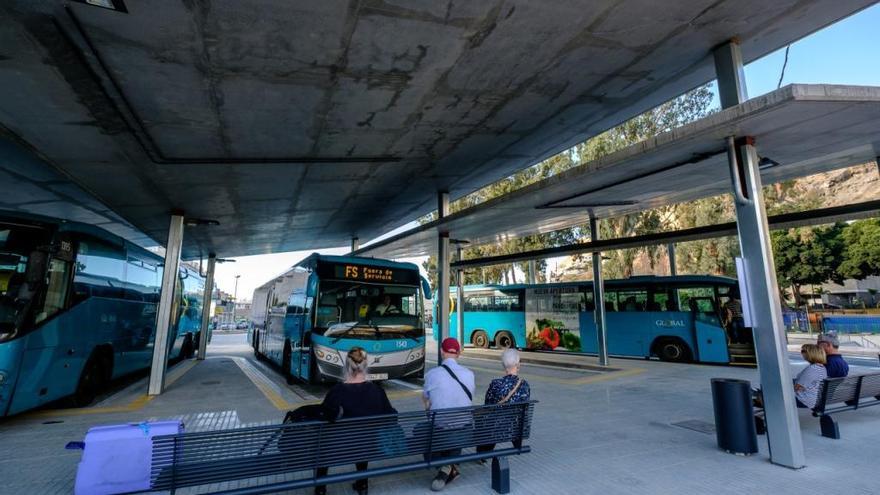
point(166, 304)
point(783, 427)
point(599, 296)
point(206, 307)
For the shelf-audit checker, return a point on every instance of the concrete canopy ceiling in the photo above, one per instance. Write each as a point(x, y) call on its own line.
point(301, 124)
point(805, 129)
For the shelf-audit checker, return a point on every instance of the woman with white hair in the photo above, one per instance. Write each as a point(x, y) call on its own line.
point(510, 388)
point(353, 398)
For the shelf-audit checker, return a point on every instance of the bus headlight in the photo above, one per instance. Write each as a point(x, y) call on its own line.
point(415, 355)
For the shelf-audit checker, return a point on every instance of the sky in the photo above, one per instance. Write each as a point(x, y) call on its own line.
point(847, 52)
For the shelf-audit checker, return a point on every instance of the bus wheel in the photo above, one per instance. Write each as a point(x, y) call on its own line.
point(257, 354)
point(187, 350)
point(480, 339)
point(286, 359)
point(503, 340)
point(673, 350)
point(90, 381)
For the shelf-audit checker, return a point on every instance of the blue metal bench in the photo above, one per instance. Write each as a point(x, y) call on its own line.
point(395, 443)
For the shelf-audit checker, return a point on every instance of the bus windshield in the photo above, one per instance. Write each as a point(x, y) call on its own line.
point(16, 243)
point(369, 311)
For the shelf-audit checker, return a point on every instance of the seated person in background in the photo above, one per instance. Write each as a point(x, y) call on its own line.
point(835, 365)
point(508, 389)
point(808, 381)
point(385, 307)
point(353, 398)
point(630, 304)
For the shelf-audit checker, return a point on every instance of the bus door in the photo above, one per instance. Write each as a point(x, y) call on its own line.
point(54, 347)
point(709, 334)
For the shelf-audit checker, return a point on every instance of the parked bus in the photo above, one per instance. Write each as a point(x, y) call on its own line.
point(325, 305)
point(78, 308)
point(673, 318)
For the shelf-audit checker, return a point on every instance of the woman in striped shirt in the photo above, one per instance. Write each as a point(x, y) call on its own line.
point(808, 381)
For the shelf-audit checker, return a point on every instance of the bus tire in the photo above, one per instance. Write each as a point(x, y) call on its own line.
point(313, 370)
point(187, 350)
point(480, 339)
point(286, 359)
point(504, 340)
point(673, 350)
point(91, 378)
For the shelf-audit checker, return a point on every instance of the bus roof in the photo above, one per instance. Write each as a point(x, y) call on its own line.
point(641, 279)
point(62, 225)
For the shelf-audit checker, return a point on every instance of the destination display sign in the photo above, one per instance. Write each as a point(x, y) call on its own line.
point(367, 273)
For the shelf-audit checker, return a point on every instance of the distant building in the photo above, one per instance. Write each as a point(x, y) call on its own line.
point(853, 293)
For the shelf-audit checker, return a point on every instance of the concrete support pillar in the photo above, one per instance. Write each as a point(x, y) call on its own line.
point(761, 297)
point(758, 278)
point(599, 296)
point(166, 303)
point(670, 253)
point(355, 244)
point(442, 299)
point(459, 301)
point(533, 274)
point(206, 307)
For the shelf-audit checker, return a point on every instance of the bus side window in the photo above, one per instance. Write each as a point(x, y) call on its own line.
point(611, 301)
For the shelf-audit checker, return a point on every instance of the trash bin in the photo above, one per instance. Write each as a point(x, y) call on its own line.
point(734, 424)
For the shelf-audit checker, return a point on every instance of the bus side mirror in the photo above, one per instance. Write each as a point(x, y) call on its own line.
point(426, 288)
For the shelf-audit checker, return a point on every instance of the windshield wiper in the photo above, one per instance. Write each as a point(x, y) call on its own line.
point(345, 332)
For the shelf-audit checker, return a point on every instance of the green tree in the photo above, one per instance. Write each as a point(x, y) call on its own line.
point(861, 252)
point(808, 256)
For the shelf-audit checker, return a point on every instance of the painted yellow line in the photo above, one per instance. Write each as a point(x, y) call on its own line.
point(264, 385)
point(136, 404)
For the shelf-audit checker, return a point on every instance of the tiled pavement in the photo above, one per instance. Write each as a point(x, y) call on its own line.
point(603, 433)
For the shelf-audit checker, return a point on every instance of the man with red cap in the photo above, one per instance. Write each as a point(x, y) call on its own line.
point(448, 385)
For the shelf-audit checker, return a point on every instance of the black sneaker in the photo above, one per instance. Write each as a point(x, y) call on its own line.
point(441, 479)
point(452, 475)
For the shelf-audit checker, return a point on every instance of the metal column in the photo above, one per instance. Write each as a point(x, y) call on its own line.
point(355, 244)
point(166, 302)
point(731, 74)
point(442, 299)
point(206, 306)
point(765, 308)
point(761, 299)
point(533, 276)
point(670, 253)
point(459, 301)
point(599, 296)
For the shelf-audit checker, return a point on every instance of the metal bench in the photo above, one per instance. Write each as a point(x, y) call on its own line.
point(399, 442)
point(845, 394)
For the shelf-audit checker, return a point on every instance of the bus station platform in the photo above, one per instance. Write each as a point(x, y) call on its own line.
point(636, 427)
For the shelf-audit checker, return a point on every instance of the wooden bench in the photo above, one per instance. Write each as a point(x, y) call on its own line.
point(845, 394)
point(265, 458)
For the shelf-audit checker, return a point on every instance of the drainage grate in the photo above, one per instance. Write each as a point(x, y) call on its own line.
point(697, 425)
point(211, 382)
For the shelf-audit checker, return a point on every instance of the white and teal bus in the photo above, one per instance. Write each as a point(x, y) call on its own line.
point(678, 318)
point(325, 305)
point(78, 309)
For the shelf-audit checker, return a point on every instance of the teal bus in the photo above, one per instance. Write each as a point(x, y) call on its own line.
point(78, 309)
point(676, 318)
point(325, 305)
